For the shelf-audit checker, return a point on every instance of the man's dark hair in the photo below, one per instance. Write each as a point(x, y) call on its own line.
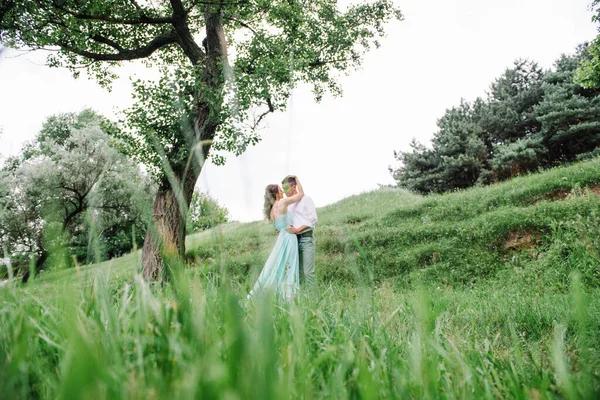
point(290, 180)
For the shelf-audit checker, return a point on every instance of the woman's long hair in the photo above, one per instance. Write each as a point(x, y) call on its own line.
point(270, 198)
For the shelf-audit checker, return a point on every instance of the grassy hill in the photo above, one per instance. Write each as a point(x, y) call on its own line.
point(533, 230)
point(487, 293)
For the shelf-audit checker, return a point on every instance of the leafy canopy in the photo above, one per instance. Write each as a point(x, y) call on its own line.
point(69, 189)
point(272, 46)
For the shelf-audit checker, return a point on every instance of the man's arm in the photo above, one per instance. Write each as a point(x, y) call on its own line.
point(300, 229)
point(310, 212)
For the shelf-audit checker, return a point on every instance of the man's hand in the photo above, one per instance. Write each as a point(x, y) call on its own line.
point(300, 229)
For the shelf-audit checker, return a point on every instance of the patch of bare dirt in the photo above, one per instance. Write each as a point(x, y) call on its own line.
point(558, 194)
point(595, 190)
point(562, 194)
point(521, 240)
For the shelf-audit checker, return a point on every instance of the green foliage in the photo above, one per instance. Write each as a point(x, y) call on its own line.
point(205, 213)
point(460, 147)
point(276, 45)
point(569, 114)
point(531, 120)
point(419, 169)
point(512, 99)
point(588, 73)
point(69, 192)
point(520, 156)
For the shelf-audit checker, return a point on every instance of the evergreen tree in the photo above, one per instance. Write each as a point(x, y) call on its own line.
point(509, 113)
point(531, 119)
point(420, 169)
point(569, 114)
point(457, 158)
point(522, 155)
point(460, 146)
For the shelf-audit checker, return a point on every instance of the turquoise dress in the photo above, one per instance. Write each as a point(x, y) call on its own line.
point(281, 271)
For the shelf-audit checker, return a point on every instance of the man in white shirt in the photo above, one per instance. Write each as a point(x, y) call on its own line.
point(304, 220)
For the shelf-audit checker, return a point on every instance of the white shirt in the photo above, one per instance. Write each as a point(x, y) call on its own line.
point(303, 213)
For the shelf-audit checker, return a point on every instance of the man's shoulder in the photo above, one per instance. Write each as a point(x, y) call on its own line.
point(306, 199)
point(306, 204)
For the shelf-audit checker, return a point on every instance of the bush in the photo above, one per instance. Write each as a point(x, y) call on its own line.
point(205, 213)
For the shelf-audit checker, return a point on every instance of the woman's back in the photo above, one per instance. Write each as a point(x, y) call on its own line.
point(283, 222)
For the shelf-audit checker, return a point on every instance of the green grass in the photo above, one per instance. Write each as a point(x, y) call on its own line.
point(492, 292)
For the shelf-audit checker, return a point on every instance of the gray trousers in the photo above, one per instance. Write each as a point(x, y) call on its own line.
point(307, 250)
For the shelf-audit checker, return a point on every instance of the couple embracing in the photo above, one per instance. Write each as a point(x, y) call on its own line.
point(292, 260)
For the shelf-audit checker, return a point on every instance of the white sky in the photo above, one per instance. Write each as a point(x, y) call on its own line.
point(443, 51)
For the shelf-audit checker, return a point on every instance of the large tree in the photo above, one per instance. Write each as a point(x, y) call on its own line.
point(70, 194)
point(274, 44)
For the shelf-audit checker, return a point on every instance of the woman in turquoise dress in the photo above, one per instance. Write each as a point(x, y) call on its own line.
point(281, 271)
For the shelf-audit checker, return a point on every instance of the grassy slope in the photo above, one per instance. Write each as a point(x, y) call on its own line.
point(441, 296)
point(453, 240)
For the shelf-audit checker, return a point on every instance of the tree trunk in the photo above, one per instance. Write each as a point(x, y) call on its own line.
point(165, 240)
point(39, 263)
point(166, 237)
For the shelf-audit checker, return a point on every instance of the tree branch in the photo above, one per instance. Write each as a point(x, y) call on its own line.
point(186, 41)
point(136, 5)
point(241, 23)
point(70, 215)
point(263, 115)
point(107, 41)
point(70, 189)
point(159, 41)
point(320, 63)
point(222, 3)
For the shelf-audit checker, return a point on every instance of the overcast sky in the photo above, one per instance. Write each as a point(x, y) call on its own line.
point(443, 51)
